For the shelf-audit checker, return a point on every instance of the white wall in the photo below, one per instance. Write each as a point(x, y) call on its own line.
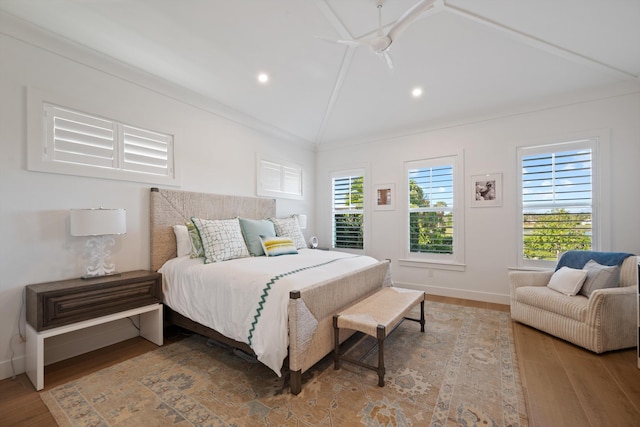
point(216, 155)
point(489, 146)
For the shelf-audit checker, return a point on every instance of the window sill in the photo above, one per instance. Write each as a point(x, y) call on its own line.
point(416, 263)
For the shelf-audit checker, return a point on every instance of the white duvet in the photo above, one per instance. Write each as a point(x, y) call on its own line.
point(246, 299)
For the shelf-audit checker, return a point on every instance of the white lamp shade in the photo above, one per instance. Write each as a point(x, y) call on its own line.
point(98, 222)
point(302, 221)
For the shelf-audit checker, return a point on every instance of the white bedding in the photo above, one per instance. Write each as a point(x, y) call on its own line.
point(226, 296)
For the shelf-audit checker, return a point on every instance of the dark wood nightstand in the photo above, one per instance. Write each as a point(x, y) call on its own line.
point(55, 308)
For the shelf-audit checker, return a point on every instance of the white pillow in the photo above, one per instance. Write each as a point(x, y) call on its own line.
point(289, 227)
point(221, 239)
point(567, 280)
point(183, 240)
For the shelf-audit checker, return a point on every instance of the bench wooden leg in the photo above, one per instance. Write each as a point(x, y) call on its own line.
point(381, 336)
point(422, 321)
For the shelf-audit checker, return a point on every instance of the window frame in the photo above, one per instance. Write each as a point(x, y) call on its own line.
point(39, 146)
point(599, 199)
point(270, 170)
point(359, 172)
point(456, 259)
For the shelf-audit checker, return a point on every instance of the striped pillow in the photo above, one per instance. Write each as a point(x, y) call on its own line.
point(275, 246)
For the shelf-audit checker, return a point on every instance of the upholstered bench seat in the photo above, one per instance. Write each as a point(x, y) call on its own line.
point(377, 315)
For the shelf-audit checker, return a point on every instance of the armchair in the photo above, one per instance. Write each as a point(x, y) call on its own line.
point(604, 321)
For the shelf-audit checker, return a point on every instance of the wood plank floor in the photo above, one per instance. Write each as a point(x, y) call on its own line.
point(564, 385)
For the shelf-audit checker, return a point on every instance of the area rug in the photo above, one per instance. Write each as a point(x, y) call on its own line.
point(461, 372)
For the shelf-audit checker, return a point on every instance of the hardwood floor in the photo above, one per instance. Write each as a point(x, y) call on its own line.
point(564, 385)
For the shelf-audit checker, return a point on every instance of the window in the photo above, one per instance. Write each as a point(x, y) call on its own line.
point(557, 193)
point(279, 179)
point(434, 220)
point(348, 210)
point(78, 143)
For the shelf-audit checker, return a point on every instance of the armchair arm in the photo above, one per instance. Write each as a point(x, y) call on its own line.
point(518, 279)
point(613, 303)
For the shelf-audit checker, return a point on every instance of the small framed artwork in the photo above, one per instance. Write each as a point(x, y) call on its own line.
point(385, 197)
point(486, 190)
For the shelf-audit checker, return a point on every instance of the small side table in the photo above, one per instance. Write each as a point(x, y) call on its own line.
point(56, 308)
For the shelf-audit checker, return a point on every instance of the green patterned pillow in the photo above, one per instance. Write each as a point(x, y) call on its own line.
point(197, 251)
point(289, 227)
point(275, 246)
point(221, 239)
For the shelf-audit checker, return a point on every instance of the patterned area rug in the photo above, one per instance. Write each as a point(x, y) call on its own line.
point(461, 372)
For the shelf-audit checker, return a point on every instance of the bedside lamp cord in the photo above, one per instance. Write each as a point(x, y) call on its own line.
point(20, 335)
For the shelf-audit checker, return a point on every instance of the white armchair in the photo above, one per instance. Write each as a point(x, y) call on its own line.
point(604, 321)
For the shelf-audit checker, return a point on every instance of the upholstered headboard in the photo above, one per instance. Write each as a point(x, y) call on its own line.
point(171, 207)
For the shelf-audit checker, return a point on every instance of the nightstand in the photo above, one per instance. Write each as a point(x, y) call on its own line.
point(56, 308)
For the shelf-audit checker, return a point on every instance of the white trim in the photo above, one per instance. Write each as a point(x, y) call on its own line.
point(457, 293)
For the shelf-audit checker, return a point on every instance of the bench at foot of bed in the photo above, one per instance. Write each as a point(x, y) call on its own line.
point(377, 315)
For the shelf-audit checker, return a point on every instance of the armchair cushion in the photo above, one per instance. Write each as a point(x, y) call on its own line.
point(545, 298)
point(599, 277)
point(567, 280)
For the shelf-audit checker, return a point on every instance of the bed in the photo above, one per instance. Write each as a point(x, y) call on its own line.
point(311, 286)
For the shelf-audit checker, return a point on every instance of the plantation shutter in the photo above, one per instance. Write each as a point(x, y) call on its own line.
point(557, 202)
point(431, 209)
point(348, 209)
point(277, 179)
point(79, 138)
point(145, 151)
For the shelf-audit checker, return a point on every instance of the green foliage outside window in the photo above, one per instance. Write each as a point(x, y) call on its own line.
point(549, 233)
point(348, 217)
point(430, 231)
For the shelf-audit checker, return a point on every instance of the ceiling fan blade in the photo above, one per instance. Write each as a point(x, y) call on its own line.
point(387, 58)
point(345, 42)
point(409, 17)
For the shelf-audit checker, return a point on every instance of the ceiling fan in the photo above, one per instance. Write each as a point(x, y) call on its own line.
point(381, 42)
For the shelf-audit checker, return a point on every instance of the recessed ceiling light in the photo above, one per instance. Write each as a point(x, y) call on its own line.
point(416, 92)
point(263, 77)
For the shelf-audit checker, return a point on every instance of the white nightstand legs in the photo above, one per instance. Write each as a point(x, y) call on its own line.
point(35, 358)
point(150, 329)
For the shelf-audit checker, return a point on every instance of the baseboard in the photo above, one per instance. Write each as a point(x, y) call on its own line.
point(6, 371)
point(457, 293)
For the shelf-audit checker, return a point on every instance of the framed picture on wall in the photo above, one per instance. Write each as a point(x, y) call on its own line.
point(385, 197)
point(486, 190)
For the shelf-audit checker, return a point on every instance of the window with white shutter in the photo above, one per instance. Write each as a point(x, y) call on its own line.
point(348, 210)
point(435, 220)
point(279, 179)
point(78, 143)
point(556, 200)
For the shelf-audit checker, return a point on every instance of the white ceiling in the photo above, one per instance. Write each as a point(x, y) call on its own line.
point(472, 58)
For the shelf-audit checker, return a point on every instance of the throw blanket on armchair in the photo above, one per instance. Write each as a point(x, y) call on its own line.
point(577, 259)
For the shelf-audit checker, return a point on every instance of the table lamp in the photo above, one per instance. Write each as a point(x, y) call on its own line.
point(101, 224)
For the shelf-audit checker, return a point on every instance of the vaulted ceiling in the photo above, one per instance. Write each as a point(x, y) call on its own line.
point(471, 58)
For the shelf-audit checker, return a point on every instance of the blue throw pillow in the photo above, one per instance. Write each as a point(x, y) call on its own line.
point(252, 229)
